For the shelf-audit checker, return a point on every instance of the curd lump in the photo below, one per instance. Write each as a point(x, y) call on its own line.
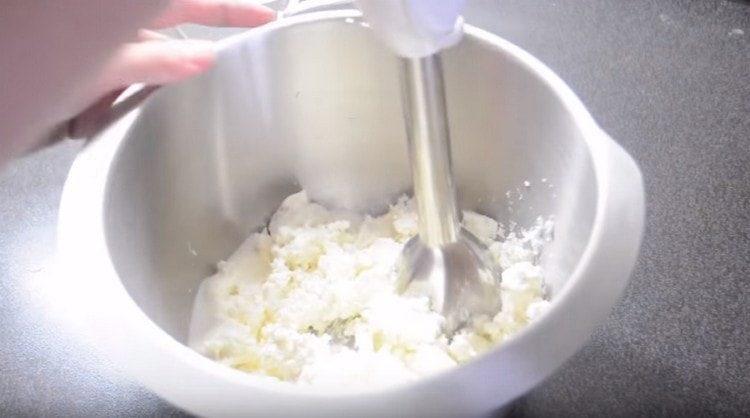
point(312, 300)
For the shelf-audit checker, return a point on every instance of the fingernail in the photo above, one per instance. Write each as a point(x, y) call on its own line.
point(152, 35)
point(272, 14)
point(262, 10)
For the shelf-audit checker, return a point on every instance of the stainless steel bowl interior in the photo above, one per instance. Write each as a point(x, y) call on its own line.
point(317, 106)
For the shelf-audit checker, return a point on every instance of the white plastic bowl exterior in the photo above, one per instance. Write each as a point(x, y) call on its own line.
point(154, 175)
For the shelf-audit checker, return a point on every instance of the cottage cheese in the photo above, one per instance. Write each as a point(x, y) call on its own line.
point(312, 300)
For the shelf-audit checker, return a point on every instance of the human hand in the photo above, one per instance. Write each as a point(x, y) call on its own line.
point(155, 59)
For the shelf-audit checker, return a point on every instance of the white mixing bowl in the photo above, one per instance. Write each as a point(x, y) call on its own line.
point(313, 101)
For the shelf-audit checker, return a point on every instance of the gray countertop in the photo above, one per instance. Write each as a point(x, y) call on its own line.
point(669, 80)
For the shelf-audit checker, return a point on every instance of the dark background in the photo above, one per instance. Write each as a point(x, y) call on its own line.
point(668, 79)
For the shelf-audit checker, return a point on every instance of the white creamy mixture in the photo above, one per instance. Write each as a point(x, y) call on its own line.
point(312, 299)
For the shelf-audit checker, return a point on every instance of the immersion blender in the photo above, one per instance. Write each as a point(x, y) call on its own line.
point(444, 261)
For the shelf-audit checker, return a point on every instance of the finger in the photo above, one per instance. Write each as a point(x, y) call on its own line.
point(236, 13)
point(81, 125)
point(163, 62)
point(105, 112)
point(151, 35)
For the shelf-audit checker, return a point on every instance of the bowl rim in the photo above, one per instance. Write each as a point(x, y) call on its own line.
point(83, 248)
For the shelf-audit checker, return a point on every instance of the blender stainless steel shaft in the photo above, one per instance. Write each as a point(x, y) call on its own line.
point(429, 150)
point(445, 261)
